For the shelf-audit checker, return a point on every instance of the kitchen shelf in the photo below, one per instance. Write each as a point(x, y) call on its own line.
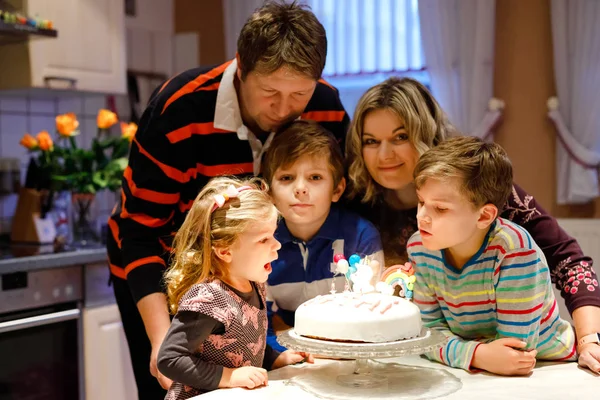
point(15, 33)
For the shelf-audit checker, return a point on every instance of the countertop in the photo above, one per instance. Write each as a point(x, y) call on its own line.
point(82, 256)
point(548, 381)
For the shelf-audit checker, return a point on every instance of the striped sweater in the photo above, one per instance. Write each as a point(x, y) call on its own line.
point(503, 291)
point(176, 150)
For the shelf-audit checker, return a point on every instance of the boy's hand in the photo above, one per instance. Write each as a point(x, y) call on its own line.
point(501, 357)
point(289, 357)
point(246, 377)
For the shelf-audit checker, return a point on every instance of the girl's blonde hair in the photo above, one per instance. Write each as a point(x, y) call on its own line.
point(193, 256)
point(424, 120)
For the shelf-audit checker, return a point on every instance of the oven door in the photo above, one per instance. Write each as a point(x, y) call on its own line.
point(39, 353)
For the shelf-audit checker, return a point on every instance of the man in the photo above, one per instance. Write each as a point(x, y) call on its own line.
point(203, 123)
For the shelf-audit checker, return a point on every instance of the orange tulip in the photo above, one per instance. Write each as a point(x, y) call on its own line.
point(45, 141)
point(106, 119)
point(67, 124)
point(29, 142)
point(128, 130)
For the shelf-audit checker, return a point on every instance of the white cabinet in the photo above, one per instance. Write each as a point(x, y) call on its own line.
point(89, 49)
point(108, 372)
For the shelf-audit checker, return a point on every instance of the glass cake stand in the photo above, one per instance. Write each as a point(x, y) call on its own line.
point(365, 378)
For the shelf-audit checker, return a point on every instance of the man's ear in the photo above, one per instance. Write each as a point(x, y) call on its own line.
point(487, 215)
point(223, 253)
point(238, 71)
point(339, 190)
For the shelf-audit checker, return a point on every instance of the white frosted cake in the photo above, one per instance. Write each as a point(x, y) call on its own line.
point(355, 317)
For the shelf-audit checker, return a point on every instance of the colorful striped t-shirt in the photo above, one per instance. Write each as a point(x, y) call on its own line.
point(503, 291)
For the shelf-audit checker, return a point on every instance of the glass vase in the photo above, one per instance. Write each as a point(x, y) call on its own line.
point(84, 231)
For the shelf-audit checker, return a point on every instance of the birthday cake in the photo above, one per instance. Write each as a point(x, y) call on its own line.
point(365, 313)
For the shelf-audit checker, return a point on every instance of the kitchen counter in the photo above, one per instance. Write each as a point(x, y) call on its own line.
point(53, 260)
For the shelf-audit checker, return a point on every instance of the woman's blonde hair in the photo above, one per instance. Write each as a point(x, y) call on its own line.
point(424, 120)
point(193, 256)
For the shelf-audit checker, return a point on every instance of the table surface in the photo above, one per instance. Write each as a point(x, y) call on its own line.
point(548, 381)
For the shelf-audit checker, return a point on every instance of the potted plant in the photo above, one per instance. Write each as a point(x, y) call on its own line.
point(83, 171)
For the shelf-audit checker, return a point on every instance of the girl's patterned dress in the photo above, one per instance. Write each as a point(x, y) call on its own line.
point(244, 340)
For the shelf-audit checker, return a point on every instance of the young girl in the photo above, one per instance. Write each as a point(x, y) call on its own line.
point(215, 286)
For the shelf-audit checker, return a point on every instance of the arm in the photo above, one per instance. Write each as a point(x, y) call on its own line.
point(369, 243)
point(177, 359)
point(271, 334)
point(457, 352)
point(270, 357)
point(154, 313)
point(149, 205)
point(564, 256)
point(521, 290)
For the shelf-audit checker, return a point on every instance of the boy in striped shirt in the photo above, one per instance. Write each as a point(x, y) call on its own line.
point(481, 280)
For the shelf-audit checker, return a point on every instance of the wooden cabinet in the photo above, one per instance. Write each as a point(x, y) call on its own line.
point(108, 372)
point(89, 49)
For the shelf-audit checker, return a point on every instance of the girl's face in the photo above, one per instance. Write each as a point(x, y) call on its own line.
point(389, 156)
point(249, 258)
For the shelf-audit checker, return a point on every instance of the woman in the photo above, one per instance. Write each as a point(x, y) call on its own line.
point(397, 121)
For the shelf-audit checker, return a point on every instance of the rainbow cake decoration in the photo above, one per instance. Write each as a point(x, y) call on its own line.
point(398, 279)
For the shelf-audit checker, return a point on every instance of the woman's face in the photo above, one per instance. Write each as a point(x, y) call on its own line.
point(389, 156)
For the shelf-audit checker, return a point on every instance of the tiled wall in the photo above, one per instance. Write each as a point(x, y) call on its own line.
point(29, 114)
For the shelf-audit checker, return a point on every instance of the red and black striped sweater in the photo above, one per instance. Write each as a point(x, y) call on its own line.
point(175, 152)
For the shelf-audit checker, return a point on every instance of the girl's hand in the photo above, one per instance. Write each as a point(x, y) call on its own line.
point(502, 357)
point(289, 357)
point(589, 356)
point(246, 377)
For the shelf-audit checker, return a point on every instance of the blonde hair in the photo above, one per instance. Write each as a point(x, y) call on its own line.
point(193, 256)
point(303, 138)
point(484, 169)
point(280, 34)
point(424, 120)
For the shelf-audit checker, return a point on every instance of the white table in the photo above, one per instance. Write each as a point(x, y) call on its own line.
point(549, 381)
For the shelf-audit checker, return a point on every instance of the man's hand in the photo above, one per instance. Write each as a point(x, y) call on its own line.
point(289, 357)
point(247, 377)
point(589, 356)
point(502, 357)
point(162, 380)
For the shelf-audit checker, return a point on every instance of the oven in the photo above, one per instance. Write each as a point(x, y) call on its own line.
point(41, 337)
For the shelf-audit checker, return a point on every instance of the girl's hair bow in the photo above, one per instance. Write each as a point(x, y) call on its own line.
point(230, 193)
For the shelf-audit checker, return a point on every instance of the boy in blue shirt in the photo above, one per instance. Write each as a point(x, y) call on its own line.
point(305, 171)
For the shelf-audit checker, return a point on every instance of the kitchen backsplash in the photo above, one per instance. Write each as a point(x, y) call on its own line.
point(20, 115)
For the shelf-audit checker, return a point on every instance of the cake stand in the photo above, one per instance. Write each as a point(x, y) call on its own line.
point(365, 378)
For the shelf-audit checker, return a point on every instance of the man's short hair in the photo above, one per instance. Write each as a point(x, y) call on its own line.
point(301, 138)
point(282, 34)
point(484, 169)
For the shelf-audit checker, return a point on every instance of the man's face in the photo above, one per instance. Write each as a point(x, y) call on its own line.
point(268, 101)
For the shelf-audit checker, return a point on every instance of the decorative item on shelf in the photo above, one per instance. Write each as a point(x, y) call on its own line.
point(63, 165)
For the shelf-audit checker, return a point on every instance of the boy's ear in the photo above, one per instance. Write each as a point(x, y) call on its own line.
point(223, 253)
point(339, 190)
point(487, 215)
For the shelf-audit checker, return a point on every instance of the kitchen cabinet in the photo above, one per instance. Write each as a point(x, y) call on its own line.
point(108, 372)
point(89, 50)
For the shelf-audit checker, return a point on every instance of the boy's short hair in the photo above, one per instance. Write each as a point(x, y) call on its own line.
point(282, 34)
point(302, 138)
point(484, 168)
